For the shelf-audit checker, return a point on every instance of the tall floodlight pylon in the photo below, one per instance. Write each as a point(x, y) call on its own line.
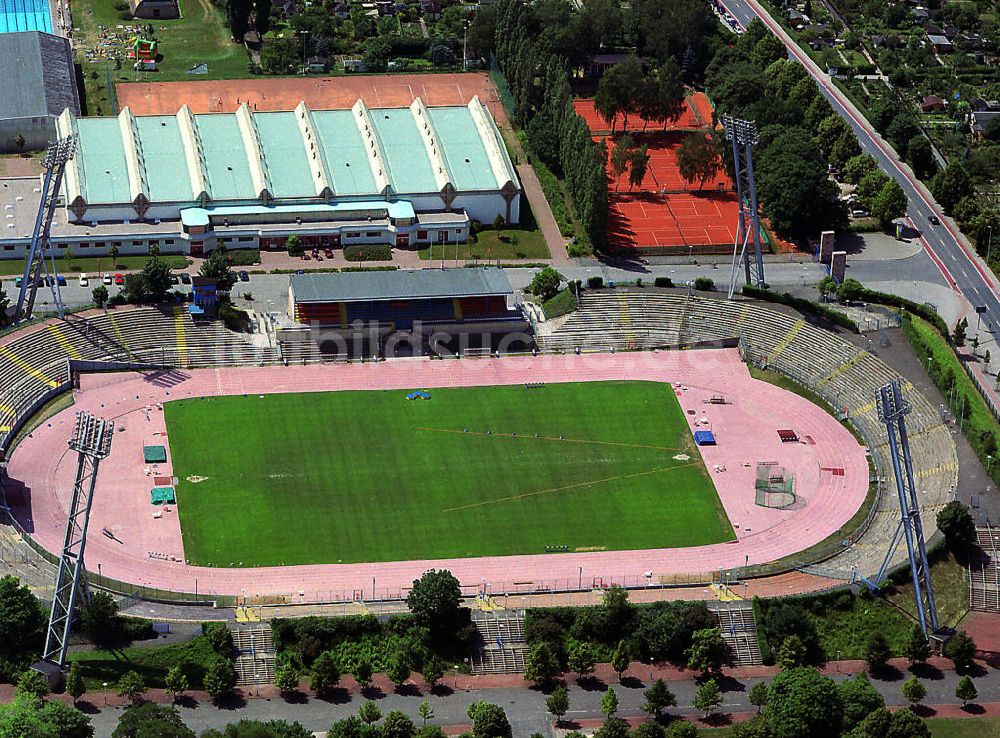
point(743, 135)
point(92, 441)
point(892, 410)
point(56, 158)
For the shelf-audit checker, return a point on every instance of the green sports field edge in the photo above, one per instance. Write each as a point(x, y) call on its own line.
point(364, 476)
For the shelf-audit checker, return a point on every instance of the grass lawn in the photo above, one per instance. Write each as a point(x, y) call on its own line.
point(201, 35)
point(846, 631)
point(92, 265)
point(525, 241)
point(951, 594)
point(564, 302)
point(978, 727)
point(151, 662)
point(369, 476)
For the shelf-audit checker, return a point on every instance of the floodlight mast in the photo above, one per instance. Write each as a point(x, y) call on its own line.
point(744, 136)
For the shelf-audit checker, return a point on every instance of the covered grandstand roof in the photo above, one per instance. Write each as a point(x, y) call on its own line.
point(400, 285)
point(219, 158)
point(39, 78)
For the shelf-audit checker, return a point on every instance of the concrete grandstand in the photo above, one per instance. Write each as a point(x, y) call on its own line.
point(190, 182)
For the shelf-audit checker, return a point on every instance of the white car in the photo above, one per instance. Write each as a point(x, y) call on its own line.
point(84, 280)
point(106, 279)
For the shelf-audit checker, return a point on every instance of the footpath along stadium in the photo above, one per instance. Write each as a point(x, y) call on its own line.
point(186, 182)
point(634, 448)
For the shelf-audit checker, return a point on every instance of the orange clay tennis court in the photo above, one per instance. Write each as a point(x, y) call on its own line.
point(697, 114)
point(320, 93)
point(677, 223)
point(662, 174)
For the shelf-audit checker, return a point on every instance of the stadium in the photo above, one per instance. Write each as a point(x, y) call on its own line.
point(637, 445)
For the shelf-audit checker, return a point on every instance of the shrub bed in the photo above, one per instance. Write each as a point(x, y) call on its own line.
point(368, 252)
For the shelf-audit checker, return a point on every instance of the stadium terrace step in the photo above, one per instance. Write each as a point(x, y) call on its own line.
point(739, 631)
point(501, 648)
point(255, 654)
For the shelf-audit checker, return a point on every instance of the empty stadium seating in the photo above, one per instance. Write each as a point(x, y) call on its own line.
point(844, 375)
point(501, 647)
point(739, 631)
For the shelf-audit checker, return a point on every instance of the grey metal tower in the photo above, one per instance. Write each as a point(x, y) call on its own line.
point(892, 410)
point(92, 442)
point(743, 135)
point(59, 153)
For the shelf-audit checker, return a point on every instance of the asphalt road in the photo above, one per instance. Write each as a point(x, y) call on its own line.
point(954, 259)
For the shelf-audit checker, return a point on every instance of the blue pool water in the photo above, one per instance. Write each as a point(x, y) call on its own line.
point(25, 15)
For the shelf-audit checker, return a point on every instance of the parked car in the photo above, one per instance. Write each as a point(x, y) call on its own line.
point(174, 279)
point(185, 278)
point(61, 280)
point(119, 280)
point(244, 277)
point(84, 280)
point(106, 279)
point(17, 281)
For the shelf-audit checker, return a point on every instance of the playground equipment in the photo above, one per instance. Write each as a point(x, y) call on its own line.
point(142, 49)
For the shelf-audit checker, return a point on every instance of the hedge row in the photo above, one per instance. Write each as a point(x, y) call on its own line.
point(368, 252)
point(802, 305)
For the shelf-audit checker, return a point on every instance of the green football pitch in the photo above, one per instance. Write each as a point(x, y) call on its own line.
point(478, 471)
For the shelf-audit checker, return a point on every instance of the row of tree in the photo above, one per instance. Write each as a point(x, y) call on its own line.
point(539, 83)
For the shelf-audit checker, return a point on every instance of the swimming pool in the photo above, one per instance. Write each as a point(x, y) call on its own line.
point(25, 15)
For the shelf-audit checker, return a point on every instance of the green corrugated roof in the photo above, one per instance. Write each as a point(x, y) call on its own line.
point(404, 150)
point(402, 284)
point(101, 155)
point(225, 157)
point(346, 153)
point(285, 155)
point(166, 169)
point(463, 149)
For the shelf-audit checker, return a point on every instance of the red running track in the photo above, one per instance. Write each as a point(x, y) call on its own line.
point(41, 472)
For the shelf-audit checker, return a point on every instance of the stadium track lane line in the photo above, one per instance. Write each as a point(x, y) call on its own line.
point(568, 487)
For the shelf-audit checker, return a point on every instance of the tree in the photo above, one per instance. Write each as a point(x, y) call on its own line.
point(131, 686)
point(262, 16)
point(325, 673)
point(32, 683)
point(620, 659)
point(620, 157)
point(889, 204)
point(176, 682)
point(134, 289)
point(220, 680)
point(398, 670)
point(954, 520)
point(918, 650)
point(76, 687)
point(113, 251)
point(961, 649)
point(22, 628)
point(397, 725)
point(638, 165)
point(425, 711)
point(618, 91)
point(613, 727)
point(100, 620)
point(921, 156)
point(658, 699)
point(149, 719)
point(363, 673)
point(435, 601)
point(858, 166)
point(489, 721)
point(950, 185)
point(286, 679)
point(609, 703)
point(216, 267)
point(966, 690)
point(870, 186)
point(541, 664)
point(859, 698)
point(913, 690)
point(581, 659)
point(427, 731)
point(294, 245)
point(558, 703)
point(433, 671)
point(707, 652)
point(708, 697)
point(792, 653)
point(545, 284)
point(958, 338)
point(156, 278)
point(803, 702)
point(377, 53)
point(100, 295)
point(369, 712)
point(20, 142)
point(697, 159)
point(901, 130)
point(758, 695)
point(350, 727)
point(877, 652)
